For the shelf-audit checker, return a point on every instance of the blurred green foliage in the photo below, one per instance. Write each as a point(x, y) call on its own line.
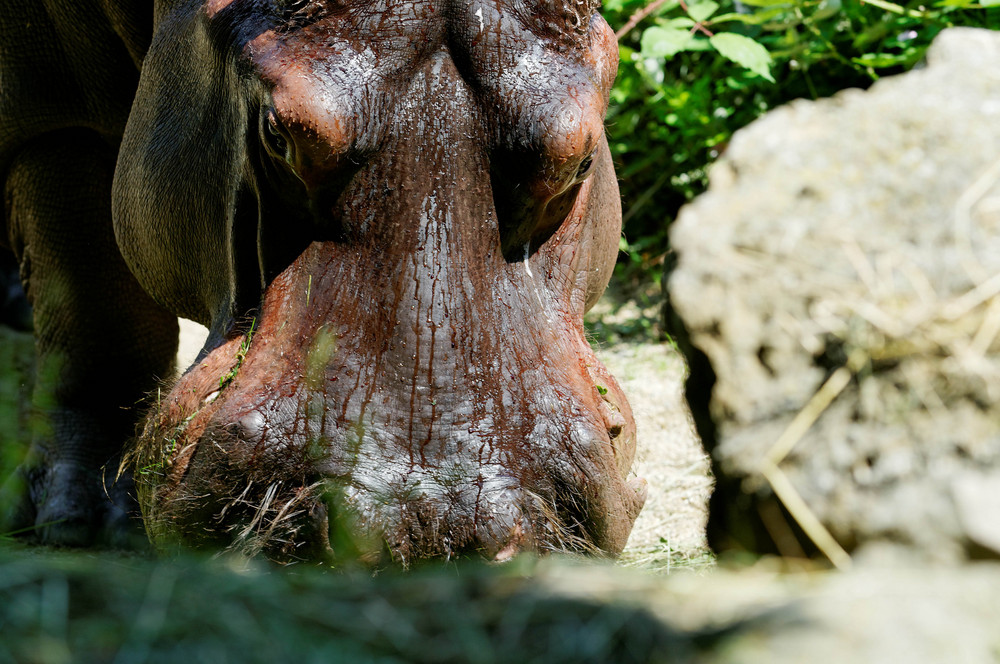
point(694, 72)
point(60, 607)
point(16, 384)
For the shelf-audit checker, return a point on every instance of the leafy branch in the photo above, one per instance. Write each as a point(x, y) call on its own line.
point(637, 17)
point(692, 72)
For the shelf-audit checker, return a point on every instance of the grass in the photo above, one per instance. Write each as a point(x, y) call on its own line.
point(663, 558)
point(240, 356)
point(60, 607)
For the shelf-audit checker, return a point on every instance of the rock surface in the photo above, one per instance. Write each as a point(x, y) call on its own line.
point(854, 242)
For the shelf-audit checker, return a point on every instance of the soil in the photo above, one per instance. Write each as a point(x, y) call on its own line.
point(670, 529)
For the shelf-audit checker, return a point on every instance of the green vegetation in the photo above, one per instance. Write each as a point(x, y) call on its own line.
point(16, 421)
point(240, 356)
point(694, 72)
point(157, 467)
point(66, 607)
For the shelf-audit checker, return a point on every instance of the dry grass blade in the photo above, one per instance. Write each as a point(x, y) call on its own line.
point(783, 488)
point(805, 517)
point(806, 417)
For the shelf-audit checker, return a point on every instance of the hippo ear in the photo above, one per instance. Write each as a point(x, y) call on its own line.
point(180, 173)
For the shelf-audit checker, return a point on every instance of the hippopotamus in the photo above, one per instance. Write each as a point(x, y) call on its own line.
point(391, 215)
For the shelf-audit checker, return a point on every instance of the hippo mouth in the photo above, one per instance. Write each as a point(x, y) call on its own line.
point(375, 449)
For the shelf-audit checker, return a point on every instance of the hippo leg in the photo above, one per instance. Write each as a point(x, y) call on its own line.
point(101, 342)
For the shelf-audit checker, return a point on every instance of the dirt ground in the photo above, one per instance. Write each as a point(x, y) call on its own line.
point(670, 531)
point(671, 528)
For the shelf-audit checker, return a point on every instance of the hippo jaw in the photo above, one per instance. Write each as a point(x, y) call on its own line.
point(417, 365)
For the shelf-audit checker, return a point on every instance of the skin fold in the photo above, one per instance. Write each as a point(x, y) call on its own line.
point(392, 217)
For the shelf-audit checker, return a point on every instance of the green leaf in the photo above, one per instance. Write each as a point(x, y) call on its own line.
point(879, 60)
point(701, 11)
point(749, 19)
point(680, 22)
point(827, 9)
point(744, 51)
point(766, 3)
point(660, 42)
point(699, 45)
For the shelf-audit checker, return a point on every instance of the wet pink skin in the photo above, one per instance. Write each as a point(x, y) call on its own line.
point(418, 361)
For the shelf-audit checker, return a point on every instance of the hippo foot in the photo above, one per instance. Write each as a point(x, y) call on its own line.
point(68, 504)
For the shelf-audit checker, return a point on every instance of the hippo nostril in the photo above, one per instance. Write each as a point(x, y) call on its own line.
point(614, 420)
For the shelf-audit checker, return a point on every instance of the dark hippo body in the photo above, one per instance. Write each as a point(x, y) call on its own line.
point(392, 217)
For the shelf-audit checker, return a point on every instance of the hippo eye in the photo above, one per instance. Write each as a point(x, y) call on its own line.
point(586, 166)
point(274, 137)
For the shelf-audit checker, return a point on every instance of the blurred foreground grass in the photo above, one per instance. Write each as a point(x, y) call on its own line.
point(76, 607)
point(58, 607)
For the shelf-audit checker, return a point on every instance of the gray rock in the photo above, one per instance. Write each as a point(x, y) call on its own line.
point(861, 231)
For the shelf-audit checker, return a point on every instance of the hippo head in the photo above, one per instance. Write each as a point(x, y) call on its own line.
point(392, 215)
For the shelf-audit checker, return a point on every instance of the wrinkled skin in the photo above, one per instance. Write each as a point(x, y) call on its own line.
point(392, 217)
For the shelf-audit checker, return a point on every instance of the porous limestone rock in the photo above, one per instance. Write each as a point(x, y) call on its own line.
point(854, 240)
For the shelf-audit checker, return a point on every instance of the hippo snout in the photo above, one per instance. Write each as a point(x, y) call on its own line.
point(276, 436)
point(270, 476)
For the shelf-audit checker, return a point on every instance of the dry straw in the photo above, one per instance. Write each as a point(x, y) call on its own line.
point(879, 323)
